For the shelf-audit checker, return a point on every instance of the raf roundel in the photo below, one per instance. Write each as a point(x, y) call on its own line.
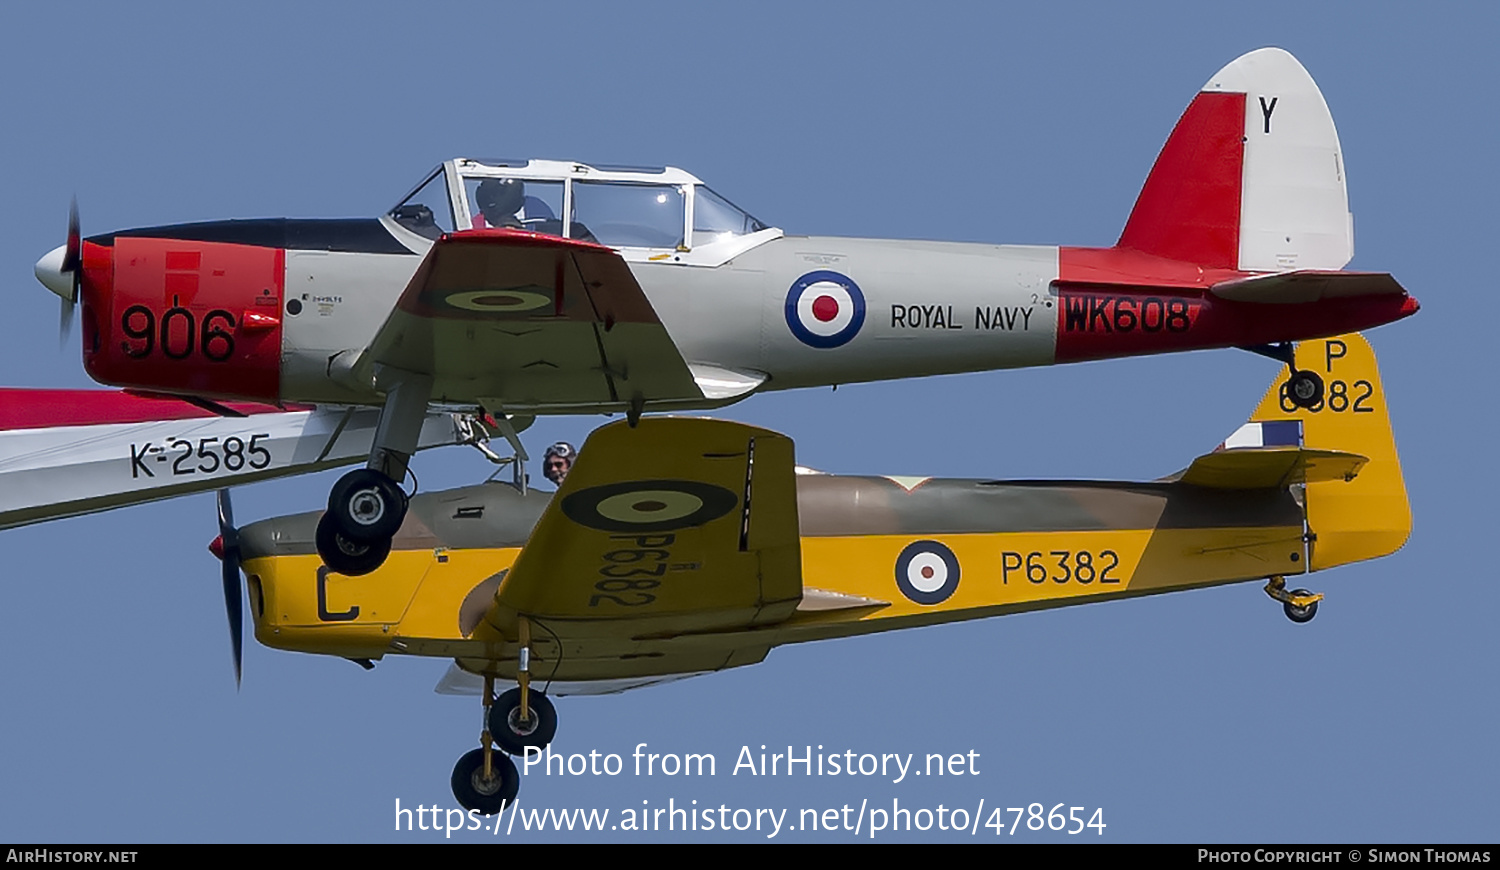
point(825, 309)
point(648, 505)
point(499, 302)
point(927, 572)
point(511, 302)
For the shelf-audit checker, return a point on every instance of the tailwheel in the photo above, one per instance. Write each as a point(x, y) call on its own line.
point(1299, 605)
point(485, 793)
point(514, 732)
point(345, 556)
point(1304, 389)
point(1302, 612)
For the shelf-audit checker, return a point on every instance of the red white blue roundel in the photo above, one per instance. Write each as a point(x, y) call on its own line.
point(927, 572)
point(825, 309)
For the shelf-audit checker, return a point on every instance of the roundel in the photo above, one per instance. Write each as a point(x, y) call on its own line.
point(648, 505)
point(825, 309)
point(509, 301)
point(498, 300)
point(927, 572)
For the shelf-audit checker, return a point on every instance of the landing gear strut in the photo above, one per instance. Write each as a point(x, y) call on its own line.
point(366, 506)
point(485, 779)
point(1300, 605)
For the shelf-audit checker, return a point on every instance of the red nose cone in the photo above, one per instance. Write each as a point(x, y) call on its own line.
point(217, 547)
point(1410, 306)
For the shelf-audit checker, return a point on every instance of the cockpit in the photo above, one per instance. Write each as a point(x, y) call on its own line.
point(647, 213)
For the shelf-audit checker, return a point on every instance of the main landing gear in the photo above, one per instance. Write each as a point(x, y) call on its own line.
point(486, 779)
point(1300, 605)
point(367, 505)
point(364, 511)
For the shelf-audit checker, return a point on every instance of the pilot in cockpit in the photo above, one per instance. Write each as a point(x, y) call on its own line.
point(500, 201)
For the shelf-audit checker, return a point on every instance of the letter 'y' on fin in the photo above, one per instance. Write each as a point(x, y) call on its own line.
point(1252, 177)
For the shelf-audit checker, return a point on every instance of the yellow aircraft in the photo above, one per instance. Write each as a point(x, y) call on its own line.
point(687, 545)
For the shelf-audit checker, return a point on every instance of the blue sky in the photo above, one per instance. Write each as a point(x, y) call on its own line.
point(1196, 716)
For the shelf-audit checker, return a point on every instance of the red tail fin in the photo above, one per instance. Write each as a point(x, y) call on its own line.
point(1189, 209)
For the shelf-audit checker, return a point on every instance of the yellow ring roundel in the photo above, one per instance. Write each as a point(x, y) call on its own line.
point(498, 301)
point(648, 505)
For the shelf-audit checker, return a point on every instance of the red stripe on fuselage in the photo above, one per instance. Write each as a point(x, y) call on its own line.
point(1101, 322)
point(44, 409)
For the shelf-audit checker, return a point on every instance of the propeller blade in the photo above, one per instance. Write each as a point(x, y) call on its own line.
point(65, 322)
point(73, 255)
point(226, 519)
point(72, 265)
point(234, 598)
point(234, 606)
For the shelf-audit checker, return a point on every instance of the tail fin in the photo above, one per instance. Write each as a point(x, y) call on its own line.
point(1251, 178)
point(1368, 515)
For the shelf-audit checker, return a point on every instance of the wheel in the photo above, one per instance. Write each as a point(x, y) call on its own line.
point(343, 556)
point(1300, 614)
point(367, 505)
point(1305, 389)
point(514, 735)
point(474, 792)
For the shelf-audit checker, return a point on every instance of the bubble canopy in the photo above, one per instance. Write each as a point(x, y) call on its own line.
point(656, 212)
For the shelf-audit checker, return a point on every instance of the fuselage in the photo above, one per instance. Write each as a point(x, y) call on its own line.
point(876, 554)
point(280, 311)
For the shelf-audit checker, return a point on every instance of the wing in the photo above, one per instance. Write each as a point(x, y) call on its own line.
point(523, 321)
point(70, 452)
point(679, 525)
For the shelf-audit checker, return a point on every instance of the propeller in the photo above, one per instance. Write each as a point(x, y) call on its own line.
point(227, 547)
point(72, 266)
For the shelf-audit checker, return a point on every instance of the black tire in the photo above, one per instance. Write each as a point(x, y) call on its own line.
point(343, 556)
point(511, 734)
point(1305, 389)
point(367, 505)
point(473, 793)
point(1300, 614)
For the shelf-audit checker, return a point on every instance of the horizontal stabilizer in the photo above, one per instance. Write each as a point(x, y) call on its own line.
point(1268, 467)
point(1307, 286)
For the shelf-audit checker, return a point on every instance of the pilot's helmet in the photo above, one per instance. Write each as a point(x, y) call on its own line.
point(500, 196)
point(562, 450)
